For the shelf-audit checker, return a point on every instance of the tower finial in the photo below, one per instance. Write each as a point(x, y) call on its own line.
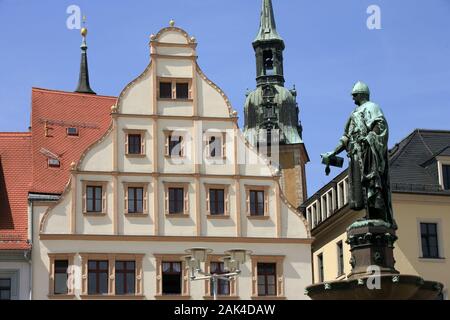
point(83, 81)
point(268, 27)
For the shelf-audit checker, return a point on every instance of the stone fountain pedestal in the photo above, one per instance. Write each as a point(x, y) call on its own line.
point(373, 276)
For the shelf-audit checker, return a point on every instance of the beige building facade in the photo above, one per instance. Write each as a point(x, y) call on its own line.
point(421, 203)
point(172, 172)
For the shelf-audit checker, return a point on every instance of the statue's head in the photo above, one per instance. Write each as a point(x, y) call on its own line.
point(360, 93)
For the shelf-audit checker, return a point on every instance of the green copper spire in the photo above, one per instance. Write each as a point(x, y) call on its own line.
point(268, 27)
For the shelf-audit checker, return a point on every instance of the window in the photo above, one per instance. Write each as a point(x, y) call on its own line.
point(257, 198)
point(268, 62)
point(94, 198)
point(98, 277)
point(111, 274)
point(223, 286)
point(165, 90)
point(341, 194)
point(182, 90)
point(320, 266)
point(54, 163)
point(174, 144)
point(267, 275)
point(72, 131)
point(5, 289)
point(175, 88)
point(171, 278)
point(134, 144)
point(340, 254)
point(61, 276)
point(256, 202)
point(135, 200)
point(216, 201)
point(176, 200)
point(125, 277)
point(429, 236)
point(446, 176)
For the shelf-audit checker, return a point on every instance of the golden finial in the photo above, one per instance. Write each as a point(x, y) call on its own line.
point(171, 22)
point(193, 39)
point(84, 30)
point(73, 166)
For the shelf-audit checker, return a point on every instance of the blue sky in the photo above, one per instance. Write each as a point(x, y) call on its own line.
point(328, 48)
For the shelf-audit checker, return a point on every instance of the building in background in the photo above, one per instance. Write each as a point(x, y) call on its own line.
point(420, 183)
point(35, 167)
point(271, 111)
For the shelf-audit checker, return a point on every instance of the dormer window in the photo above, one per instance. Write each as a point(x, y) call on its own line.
point(72, 132)
point(446, 176)
point(54, 163)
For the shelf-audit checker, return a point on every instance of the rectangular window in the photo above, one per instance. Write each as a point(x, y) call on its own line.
point(215, 147)
point(94, 199)
point(320, 266)
point(182, 90)
point(134, 144)
point(61, 276)
point(125, 277)
point(5, 289)
point(165, 90)
point(135, 200)
point(175, 146)
point(429, 236)
point(98, 277)
point(217, 201)
point(176, 200)
point(256, 202)
point(171, 278)
point(341, 194)
point(267, 275)
point(446, 176)
point(340, 254)
point(54, 163)
point(72, 131)
point(223, 286)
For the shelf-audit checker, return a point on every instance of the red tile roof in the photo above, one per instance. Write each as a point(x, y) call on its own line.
point(24, 155)
point(56, 111)
point(15, 181)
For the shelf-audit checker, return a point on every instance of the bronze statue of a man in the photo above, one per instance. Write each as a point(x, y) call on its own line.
point(366, 141)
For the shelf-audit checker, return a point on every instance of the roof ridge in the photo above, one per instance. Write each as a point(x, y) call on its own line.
point(14, 134)
point(35, 89)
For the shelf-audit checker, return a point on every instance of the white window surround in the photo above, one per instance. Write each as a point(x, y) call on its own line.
point(440, 239)
point(441, 161)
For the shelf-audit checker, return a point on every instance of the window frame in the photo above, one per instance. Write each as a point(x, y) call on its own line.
point(144, 186)
point(278, 260)
point(440, 240)
point(174, 82)
point(167, 140)
point(53, 166)
point(340, 258)
point(232, 283)
point(73, 135)
point(104, 186)
point(320, 268)
point(185, 187)
point(71, 285)
point(248, 190)
point(142, 133)
point(226, 198)
point(8, 288)
point(112, 258)
point(185, 283)
point(207, 137)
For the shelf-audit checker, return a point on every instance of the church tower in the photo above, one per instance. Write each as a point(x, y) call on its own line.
point(271, 110)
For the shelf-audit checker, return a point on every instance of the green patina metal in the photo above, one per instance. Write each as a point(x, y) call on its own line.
point(271, 106)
